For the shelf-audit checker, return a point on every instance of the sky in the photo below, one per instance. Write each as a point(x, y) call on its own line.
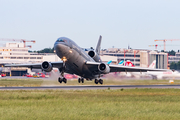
point(136, 23)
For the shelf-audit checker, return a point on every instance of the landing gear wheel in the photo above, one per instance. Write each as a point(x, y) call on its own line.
point(62, 70)
point(59, 80)
point(101, 81)
point(82, 80)
point(79, 80)
point(64, 80)
point(96, 81)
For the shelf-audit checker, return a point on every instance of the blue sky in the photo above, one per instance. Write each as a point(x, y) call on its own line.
point(120, 22)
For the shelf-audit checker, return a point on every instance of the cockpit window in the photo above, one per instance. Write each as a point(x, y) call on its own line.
point(60, 40)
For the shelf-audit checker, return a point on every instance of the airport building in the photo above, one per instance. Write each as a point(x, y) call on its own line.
point(139, 57)
point(161, 59)
point(122, 54)
point(16, 53)
point(175, 58)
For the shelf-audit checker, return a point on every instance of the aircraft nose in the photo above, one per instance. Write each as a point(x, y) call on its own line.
point(58, 47)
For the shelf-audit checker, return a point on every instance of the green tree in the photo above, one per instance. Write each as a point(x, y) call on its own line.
point(46, 50)
point(178, 65)
point(173, 65)
point(172, 52)
point(162, 50)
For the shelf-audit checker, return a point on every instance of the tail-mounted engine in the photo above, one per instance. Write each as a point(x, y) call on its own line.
point(46, 66)
point(94, 55)
point(104, 68)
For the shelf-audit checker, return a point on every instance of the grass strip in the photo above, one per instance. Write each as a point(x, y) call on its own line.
point(90, 104)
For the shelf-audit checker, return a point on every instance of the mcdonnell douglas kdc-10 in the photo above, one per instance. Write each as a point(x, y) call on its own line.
point(75, 60)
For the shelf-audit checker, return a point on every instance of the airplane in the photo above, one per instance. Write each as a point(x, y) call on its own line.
point(157, 74)
point(75, 60)
point(167, 74)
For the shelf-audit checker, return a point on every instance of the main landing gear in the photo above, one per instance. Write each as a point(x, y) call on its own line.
point(96, 81)
point(81, 80)
point(100, 81)
point(60, 80)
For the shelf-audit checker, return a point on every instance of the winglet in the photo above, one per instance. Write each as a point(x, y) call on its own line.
point(98, 47)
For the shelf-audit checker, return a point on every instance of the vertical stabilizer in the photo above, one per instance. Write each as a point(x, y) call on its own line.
point(121, 62)
point(153, 64)
point(109, 62)
point(98, 47)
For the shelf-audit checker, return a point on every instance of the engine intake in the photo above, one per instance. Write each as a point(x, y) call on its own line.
point(94, 55)
point(46, 66)
point(104, 68)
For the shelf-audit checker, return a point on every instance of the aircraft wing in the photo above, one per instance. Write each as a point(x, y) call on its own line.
point(118, 68)
point(35, 66)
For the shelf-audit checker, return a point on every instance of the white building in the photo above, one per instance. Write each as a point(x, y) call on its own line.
point(15, 53)
point(175, 58)
point(139, 57)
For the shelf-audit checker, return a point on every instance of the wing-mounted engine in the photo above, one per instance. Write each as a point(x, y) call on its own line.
point(46, 66)
point(94, 55)
point(104, 68)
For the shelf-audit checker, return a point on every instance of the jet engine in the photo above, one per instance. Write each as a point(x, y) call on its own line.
point(104, 68)
point(94, 55)
point(46, 66)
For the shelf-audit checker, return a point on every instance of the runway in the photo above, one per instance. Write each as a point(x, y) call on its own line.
point(90, 87)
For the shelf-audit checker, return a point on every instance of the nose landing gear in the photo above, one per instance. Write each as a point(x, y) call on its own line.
point(62, 70)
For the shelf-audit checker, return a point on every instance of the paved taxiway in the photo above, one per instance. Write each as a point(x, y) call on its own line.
point(90, 87)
